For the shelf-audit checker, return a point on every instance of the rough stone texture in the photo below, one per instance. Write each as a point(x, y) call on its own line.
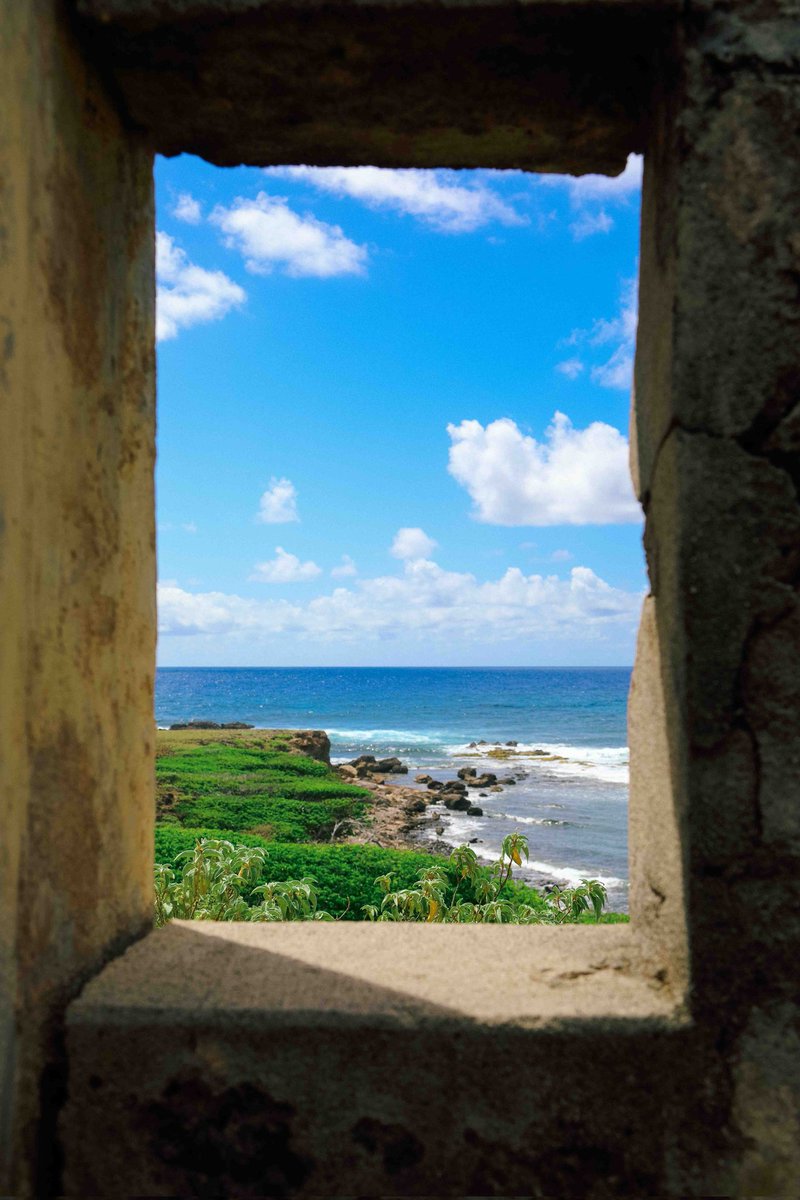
point(304, 1060)
point(385, 83)
point(717, 392)
point(76, 560)
point(352, 1059)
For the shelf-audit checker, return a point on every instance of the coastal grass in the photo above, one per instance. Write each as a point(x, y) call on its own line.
point(247, 787)
point(240, 785)
point(345, 875)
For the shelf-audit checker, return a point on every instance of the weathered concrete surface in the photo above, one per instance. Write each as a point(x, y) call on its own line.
point(718, 385)
point(316, 1060)
point(386, 84)
point(248, 1060)
point(76, 560)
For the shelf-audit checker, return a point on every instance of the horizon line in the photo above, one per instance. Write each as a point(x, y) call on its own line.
point(407, 667)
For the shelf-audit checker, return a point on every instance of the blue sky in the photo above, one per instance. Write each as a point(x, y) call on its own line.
point(360, 461)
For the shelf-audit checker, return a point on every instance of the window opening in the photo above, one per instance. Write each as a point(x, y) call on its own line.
point(394, 505)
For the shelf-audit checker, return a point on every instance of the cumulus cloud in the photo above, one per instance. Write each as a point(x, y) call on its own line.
point(434, 197)
point(586, 192)
point(271, 236)
point(572, 368)
point(423, 602)
point(285, 568)
point(573, 477)
point(187, 209)
point(412, 543)
point(278, 504)
point(186, 294)
point(346, 568)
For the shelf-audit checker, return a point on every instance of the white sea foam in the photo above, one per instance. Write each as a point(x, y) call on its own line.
point(407, 737)
point(574, 875)
point(458, 830)
point(609, 764)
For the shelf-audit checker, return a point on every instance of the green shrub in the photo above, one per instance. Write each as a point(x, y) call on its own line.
point(463, 891)
point(304, 882)
point(210, 881)
point(344, 874)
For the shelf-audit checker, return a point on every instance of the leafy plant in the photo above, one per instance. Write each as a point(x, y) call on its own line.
point(212, 879)
point(438, 895)
point(345, 874)
point(218, 881)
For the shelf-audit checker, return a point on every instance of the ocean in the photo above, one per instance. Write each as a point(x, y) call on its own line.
point(570, 798)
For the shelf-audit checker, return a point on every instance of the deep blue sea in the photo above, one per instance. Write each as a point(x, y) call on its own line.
point(570, 802)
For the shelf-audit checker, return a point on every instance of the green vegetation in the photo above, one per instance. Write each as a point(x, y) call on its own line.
point(344, 875)
point(245, 833)
point(250, 787)
point(217, 881)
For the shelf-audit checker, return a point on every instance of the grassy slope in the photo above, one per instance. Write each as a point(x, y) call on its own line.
point(247, 787)
point(246, 782)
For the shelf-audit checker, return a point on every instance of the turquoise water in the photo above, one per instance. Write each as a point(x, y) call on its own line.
point(573, 808)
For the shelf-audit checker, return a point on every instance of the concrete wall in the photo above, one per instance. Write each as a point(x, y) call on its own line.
point(76, 558)
point(656, 1059)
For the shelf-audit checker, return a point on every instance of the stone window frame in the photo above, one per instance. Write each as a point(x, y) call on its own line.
point(181, 1046)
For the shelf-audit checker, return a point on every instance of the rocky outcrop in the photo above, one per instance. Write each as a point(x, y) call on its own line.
point(211, 725)
point(367, 764)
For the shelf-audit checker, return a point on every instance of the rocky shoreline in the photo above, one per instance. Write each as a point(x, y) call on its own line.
point(404, 817)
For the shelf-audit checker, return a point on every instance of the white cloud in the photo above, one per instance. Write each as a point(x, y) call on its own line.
point(270, 235)
point(571, 368)
point(561, 556)
point(412, 544)
point(585, 188)
point(616, 371)
point(587, 223)
point(188, 295)
point(285, 568)
point(346, 568)
point(424, 602)
point(278, 504)
point(585, 192)
point(435, 197)
point(573, 477)
point(187, 209)
point(620, 331)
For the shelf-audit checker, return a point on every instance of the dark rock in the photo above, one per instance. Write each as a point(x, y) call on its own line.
point(435, 785)
point(512, 743)
point(391, 766)
point(237, 725)
point(417, 806)
point(509, 781)
point(482, 780)
point(467, 773)
point(455, 785)
point(460, 804)
point(474, 810)
point(197, 725)
point(423, 779)
point(363, 760)
point(495, 788)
